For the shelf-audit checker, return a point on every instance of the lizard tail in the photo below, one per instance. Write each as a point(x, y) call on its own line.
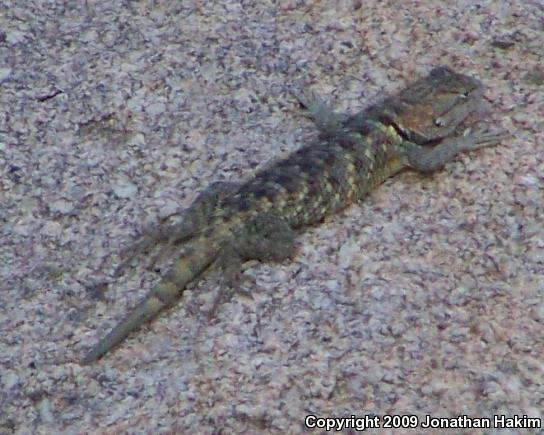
point(198, 256)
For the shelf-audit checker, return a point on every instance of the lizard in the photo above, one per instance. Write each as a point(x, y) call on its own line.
point(422, 127)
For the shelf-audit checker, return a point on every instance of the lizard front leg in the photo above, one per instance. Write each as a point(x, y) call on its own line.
point(329, 123)
point(430, 158)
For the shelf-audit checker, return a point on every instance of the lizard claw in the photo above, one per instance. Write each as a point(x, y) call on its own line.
point(482, 139)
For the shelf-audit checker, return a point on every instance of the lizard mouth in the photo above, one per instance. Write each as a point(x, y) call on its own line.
point(459, 112)
point(407, 134)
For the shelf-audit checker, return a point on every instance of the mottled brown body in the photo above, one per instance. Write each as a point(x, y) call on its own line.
point(421, 127)
point(319, 179)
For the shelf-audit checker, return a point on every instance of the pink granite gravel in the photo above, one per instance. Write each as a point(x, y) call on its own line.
point(427, 299)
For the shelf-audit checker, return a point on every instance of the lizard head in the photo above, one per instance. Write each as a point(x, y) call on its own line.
point(434, 107)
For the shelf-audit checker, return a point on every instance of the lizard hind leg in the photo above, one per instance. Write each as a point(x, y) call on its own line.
point(228, 277)
point(179, 226)
point(264, 238)
point(267, 238)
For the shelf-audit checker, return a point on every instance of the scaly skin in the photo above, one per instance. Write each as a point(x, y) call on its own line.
point(420, 128)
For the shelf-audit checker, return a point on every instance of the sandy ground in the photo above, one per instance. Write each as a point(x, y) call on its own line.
point(425, 300)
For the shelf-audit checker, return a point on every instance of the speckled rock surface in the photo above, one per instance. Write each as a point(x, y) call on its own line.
point(426, 299)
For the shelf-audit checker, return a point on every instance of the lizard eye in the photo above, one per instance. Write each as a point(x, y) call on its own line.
point(439, 122)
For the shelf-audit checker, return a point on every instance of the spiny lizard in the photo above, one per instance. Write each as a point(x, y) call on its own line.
point(422, 127)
